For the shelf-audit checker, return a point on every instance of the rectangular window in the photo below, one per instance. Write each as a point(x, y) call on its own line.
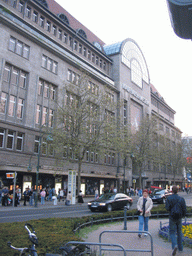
point(12, 44)
point(19, 47)
point(69, 75)
point(92, 157)
point(71, 41)
point(84, 52)
point(55, 67)
point(65, 38)
point(40, 88)
point(21, 6)
point(46, 90)
point(113, 159)
point(101, 63)
point(49, 64)
point(93, 57)
point(45, 113)
point(36, 146)
point(42, 21)
point(48, 26)
point(35, 16)
point(65, 152)
point(2, 137)
point(60, 34)
point(6, 73)
point(13, 3)
point(3, 102)
point(87, 156)
point(75, 45)
point(52, 92)
point(11, 110)
point(54, 30)
point(23, 79)
point(10, 139)
point(26, 49)
point(38, 114)
point(20, 108)
point(97, 60)
point(28, 12)
point(80, 48)
point(104, 65)
point(44, 147)
point(51, 117)
point(51, 150)
point(19, 143)
point(89, 55)
point(44, 61)
point(14, 76)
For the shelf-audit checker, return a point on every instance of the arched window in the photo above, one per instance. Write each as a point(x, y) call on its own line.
point(64, 18)
point(82, 33)
point(136, 73)
point(44, 3)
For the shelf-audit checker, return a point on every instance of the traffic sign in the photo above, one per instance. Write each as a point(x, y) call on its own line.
point(10, 175)
point(134, 180)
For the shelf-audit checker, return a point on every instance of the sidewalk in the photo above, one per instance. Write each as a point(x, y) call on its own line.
point(48, 204)
point(132, 241)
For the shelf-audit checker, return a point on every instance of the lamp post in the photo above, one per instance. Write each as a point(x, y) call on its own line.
point(49, 139)
point(124, 175)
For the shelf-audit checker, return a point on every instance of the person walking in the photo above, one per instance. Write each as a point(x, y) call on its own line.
point(26, 196)
point(144, 206)
point(68, 199)
point(176, 207)
point(43, 195)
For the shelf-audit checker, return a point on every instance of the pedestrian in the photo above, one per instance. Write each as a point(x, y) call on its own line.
point(43, 195)
point(96, 193)
point(31, 196)
point(144, 206)
point(16, 198)
point(4, 194)
point(80, 197)
point(61, 194)
point(68, 199)
point(176, 207)
point(115, 190)
point(50, 194)
point(26, 196)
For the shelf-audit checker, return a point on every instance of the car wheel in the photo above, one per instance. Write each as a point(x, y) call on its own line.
point(93, 210)
point(128, 206)
point(109, 207)
point(164, 201)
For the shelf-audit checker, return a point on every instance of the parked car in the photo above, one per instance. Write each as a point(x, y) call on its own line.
point(160, 195)
point(110, 201)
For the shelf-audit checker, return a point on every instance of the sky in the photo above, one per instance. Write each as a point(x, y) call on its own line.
point(168, 57)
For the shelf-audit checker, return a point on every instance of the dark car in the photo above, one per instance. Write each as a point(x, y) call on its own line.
point(159, 196)
point(110, 201)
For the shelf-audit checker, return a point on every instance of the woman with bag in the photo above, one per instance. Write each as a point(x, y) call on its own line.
point(144, 206)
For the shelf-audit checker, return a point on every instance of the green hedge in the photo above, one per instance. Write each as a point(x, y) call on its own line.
point(54, 232)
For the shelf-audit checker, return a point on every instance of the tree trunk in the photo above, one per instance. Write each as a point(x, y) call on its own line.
point(140, 177)
point(79, 177)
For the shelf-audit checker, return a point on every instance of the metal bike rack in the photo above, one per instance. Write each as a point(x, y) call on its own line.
point(99, 244)
point(127, 250)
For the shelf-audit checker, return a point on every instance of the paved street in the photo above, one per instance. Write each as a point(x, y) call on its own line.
point(25, 213)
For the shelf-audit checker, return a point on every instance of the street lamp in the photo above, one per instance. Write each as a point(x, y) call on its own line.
point(49, 139)
point(124, 174)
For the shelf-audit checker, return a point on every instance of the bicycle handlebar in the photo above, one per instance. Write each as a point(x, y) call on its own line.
point(17, 249)
point(32, 236)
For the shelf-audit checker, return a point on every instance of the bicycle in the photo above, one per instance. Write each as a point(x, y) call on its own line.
point(31, 251)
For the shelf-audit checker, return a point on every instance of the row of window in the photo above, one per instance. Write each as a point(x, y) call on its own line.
point(109, 159)
point(19, 47)
point(57, 32)
point(11, 105)
point(167, 130)
point(49, 64)
point(44, 116)
point(47, 90)
point(15, 76)
point(11, 139)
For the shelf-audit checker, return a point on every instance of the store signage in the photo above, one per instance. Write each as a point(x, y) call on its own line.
point(10, 175)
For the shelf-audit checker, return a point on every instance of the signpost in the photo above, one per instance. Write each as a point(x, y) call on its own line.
point(72, 185)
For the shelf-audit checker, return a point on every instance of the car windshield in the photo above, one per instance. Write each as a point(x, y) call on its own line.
point(159, 192)
point(107, 197)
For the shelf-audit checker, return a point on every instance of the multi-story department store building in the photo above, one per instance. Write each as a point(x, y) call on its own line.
point(42, 46)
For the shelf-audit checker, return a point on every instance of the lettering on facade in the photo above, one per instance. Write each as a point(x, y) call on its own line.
point(135, 94)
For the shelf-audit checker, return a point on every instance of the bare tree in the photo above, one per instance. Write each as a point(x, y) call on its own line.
point(85, 121)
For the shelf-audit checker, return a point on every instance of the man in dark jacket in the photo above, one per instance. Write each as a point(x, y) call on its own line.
point(177, 210)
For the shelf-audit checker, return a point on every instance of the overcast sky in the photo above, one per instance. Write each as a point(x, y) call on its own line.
point(169, 58)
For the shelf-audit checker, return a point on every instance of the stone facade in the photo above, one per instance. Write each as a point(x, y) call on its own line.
point(39, 48)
